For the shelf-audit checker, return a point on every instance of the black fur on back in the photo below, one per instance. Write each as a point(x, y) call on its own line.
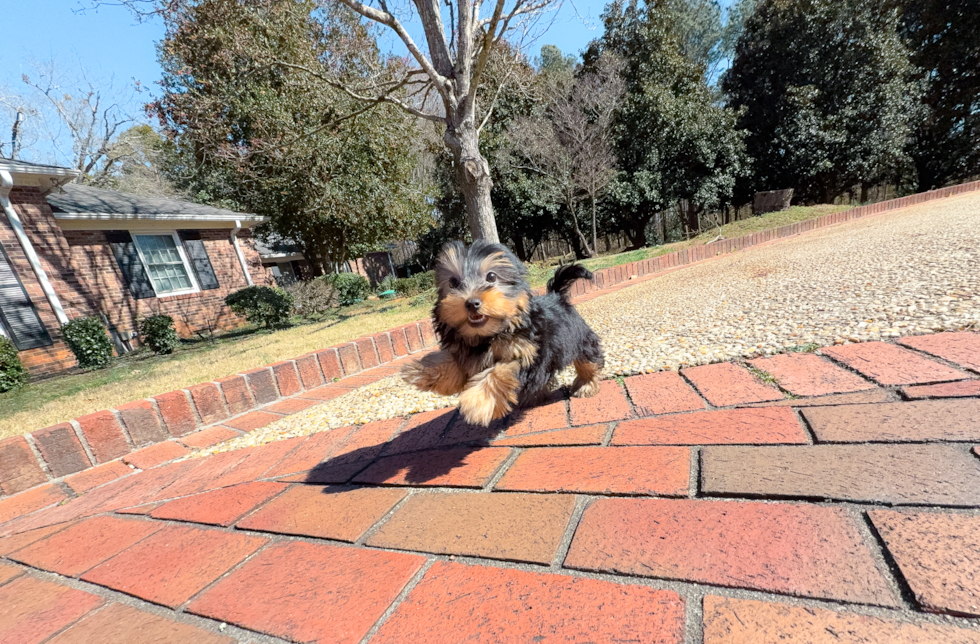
point(564, 277)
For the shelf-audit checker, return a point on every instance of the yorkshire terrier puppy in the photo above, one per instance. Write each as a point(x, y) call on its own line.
point(499, 345)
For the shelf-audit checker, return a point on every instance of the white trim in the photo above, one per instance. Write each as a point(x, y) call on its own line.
point(195, 287)
point(48, 171)
point(6, 183)
point(238, 251)
point(121, 216)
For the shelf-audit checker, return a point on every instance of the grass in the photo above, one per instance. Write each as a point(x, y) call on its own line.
point(144, 374)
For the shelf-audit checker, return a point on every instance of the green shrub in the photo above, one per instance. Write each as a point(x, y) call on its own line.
point(89, 341)
point(351, 287)
point(159, 334)
point(414, 285)
point(12, 372)
point(265, 305)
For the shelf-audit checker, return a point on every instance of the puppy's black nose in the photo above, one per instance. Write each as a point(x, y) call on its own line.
point(473, 304)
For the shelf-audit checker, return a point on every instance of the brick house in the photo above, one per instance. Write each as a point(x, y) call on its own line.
point(69, 251)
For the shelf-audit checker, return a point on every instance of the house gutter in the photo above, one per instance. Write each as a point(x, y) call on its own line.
point(6, 184)
point(238, 251)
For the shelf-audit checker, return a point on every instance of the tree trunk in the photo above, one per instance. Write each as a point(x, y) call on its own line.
point(519, 248)
point(473, 172)
point(595, 238)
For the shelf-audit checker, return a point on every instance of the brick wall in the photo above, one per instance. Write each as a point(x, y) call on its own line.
point(87, 280)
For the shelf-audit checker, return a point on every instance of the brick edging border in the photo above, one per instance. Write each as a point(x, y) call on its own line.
point(106, 436)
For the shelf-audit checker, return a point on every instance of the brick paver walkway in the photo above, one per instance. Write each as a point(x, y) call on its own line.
point(707, 506)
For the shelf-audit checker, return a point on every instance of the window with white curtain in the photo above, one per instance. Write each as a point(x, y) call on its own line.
point(165, 263)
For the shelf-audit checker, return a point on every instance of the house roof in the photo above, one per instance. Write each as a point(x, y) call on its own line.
point(78, 202)
point(47, 177)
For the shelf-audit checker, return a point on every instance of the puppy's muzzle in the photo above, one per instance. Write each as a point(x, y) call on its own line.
point(473, 314)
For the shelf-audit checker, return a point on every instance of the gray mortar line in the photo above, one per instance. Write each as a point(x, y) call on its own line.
point(566, 540)
point(408, 588)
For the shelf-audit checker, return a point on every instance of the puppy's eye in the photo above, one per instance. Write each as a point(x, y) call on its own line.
point(453, 282)
point(491, 277)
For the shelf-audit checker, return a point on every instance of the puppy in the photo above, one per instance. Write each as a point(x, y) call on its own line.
point(499, 345)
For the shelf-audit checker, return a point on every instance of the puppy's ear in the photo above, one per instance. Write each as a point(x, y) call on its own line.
point(450, 265)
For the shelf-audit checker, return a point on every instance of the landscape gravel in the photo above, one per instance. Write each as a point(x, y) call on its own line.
point(909, 272)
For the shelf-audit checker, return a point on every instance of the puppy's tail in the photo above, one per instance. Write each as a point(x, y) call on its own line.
point(561, 283)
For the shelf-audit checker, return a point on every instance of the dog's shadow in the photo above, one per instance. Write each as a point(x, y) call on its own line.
point(417, 456)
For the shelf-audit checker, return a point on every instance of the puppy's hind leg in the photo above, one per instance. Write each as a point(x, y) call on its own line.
point(436, 372)
point(588, 367)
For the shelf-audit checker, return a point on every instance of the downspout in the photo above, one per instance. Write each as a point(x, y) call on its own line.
point(238, 251)
point(6, 184)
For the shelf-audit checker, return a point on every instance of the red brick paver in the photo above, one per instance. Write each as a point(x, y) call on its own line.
point(155, 455)
point(516, 527)
point(61, 449)
point(939, 555)
point(662, 393)
point(251, 421)
point(104, 435)
point(341, 513)
point(176, 411)
point(804, 374)
point(538, 419)
point(585, 435)
point(422, 431)
point(208, 437)
point(8, 572)
point(891, 365)
point(747, 621)
point(801, 550)
point(910, 422)
point(310, 592)
point(725, 384)
point(209, 403)
point(609, 404)
point(219, 507)
point(728, 426)
point(30, 501)
point(601, 470)
point(926, 474)
point(869, 396)
point(96, 476)
point(311, 452)
point(945, 390)
point(32, 610)
point(19, 470)
point(457, 603)
point(18, 541)
point(174, 564)
point(960, 348)
point(447, 467)
point(83, 546)
point(121, 624)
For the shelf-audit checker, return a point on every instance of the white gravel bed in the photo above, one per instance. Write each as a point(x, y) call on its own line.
point(904, 273)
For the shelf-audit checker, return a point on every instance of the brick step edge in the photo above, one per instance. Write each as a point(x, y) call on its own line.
point(105, 436)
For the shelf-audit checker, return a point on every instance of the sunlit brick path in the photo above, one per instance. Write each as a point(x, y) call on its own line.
point(708, 506)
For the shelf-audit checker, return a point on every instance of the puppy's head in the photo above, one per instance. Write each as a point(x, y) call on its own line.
point(482, 290)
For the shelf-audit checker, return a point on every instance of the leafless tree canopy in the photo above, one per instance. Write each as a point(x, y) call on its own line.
point(71, 116)
point(570, 144)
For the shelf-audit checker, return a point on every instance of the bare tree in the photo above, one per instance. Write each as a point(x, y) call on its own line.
point(72, 117)
point(460, 38)
point(571, 143)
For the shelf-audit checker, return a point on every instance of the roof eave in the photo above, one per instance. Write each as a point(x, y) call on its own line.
point(114, 216)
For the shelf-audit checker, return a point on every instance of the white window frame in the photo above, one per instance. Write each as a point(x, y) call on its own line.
point(195, 287)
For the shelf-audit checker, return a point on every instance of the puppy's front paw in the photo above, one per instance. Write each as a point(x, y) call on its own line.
point(479, 408)
point(414, 374)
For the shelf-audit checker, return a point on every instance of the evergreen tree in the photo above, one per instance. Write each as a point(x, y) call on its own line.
point(672, 141)
point(827, 95)
point(944, 37)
